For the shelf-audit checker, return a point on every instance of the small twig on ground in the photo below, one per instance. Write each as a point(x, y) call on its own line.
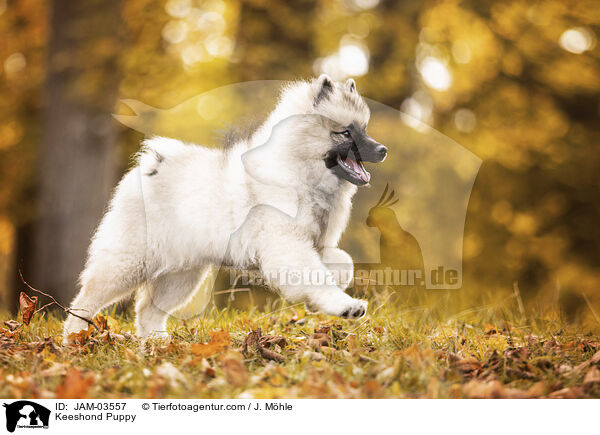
point(55, 302)
point(41, 308)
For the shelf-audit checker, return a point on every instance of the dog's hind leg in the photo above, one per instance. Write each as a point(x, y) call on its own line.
point(157, 299)
point(101, 285)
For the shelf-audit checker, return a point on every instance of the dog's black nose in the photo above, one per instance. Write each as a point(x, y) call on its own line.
point(381, 150)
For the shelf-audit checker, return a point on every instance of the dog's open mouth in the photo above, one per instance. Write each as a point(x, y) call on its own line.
point(355, 169)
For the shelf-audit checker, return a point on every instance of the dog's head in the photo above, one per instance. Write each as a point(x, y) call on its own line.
point(318, 128)
point(346, 144)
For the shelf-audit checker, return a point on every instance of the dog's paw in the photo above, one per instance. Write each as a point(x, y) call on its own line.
point(72, 325)
point(341, 305)
point(355, 310)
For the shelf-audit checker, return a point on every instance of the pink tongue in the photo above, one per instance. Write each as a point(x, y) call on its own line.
point(359, 169)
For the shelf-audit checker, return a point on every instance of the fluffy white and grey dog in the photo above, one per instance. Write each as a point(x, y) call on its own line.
point(277, 201)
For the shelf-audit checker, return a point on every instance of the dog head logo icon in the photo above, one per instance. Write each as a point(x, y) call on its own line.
point(26, 414)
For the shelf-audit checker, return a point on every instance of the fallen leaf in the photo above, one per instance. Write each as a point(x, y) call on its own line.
point(12, 324)
point(483, 390)
point(593, 360)
point(373, 389)
point(260, 342)
point(101, 322)
point(518, 353)
point(273, 340)
point(592, 376)
point(537, 390)
point(235, 370)
point(8, 333)
point(219, 340)
point(495, 390)
point(319, 339)
point(27, 307)
point(568, 393)
point(107, 337)
point(467, 365)
point(82, 336)
point(74, 385)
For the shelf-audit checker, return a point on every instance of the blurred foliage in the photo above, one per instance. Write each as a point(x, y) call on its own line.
point(517, 83)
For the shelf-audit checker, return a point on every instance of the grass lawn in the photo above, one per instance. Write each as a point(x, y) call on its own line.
point(393, 352)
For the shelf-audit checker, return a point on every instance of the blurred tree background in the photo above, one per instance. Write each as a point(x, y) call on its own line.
point(515, 82)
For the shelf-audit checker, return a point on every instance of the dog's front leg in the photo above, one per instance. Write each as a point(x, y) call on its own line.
point(294, 267)
point(340, 264)
point(289, 262)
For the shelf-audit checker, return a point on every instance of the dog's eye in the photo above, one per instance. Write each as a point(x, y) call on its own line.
point(345, 133)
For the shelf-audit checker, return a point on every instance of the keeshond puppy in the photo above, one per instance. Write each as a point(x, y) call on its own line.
point(276, 201)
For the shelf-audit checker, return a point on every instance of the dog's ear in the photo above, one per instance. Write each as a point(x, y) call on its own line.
point(351, 85)
point(324, 88)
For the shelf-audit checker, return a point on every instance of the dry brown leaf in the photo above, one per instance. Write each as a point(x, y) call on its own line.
point(320, 339)
point(251, 340)
point(107, 337)
point(537, 390)
point(417, 356)
point(518, 353)
point(260, 342)
point(235, 370)
point(373, 389)
point(593, 360)
point(467, 365)
point(74, 385)
point(27, 307)
point(12, 324)
point(483, 390)
point(8, 333)
point(100, 322)
point(273, 340)
point(219, 341)
point(568, 393)
point(433, 388)
point(592, 376)
point(82, 336)
point(495, 390)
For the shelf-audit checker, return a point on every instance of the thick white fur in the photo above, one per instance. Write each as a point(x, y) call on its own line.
point(267, 202)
